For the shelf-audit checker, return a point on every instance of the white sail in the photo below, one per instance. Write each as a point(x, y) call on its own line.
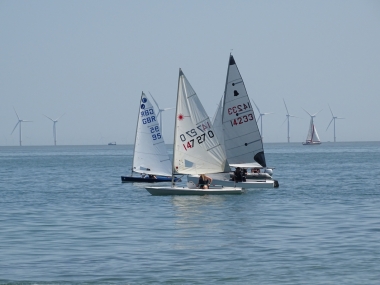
point(312, 135)
point(150, 153)
point(196, 146)
point(315, 136)
point(241, 137)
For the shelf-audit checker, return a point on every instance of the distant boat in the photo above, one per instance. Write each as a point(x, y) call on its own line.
point(112, 143)
point(312, 135)
point(150, 158)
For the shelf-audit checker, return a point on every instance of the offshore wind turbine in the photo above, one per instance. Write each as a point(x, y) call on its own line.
point(159, 112)
point(54, 127)
point(261, 115)
point(333, 119)
point(312, 116)
point(19, 122)
point(288, 116)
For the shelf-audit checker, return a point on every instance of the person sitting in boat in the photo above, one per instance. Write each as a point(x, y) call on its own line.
point(204, 181)
point(245, 172)
point(151, 176)
point(255, 170)
point(238, 175)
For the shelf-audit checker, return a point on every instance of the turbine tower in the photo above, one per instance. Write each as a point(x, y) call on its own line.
point(333, 119)
point(288, 119)
point(261, 115)
point(159, 112)
point(54, 128)
point(19, 122)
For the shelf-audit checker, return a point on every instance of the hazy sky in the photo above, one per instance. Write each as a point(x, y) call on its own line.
point(92, 59)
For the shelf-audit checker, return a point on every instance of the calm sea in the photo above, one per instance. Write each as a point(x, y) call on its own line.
point(66, 218)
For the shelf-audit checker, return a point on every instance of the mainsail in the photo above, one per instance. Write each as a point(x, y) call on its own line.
point(196, 146)
point(235, 121)
point(150, 153)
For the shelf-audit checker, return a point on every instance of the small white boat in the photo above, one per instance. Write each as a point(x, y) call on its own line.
point(236, 128)
point(151, 161)
point(213, 190)
point(112, 143)
point(312, 135)
point(196, 149)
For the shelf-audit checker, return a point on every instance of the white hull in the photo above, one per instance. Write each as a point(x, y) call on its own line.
point(311, 143)
point(159, 191)
point(223, 180)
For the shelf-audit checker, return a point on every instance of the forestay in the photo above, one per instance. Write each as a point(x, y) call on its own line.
point(239, 131)
point(150, 153)
point(196, 146)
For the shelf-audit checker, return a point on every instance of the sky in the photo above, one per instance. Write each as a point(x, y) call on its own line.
point(90, 60)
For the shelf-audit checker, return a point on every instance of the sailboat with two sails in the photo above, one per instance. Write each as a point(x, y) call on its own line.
point(312, 135)
point(236, 128)
point(151, 161)
point(196, 148)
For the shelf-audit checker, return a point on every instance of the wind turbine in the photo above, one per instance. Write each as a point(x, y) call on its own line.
point(19, 122)
point(261, 115)
point(160, 111)
point(333, 119)
point(288, 119)
point(54, 128)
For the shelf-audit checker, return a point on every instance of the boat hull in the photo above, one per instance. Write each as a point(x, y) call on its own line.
point(164, 191)
point(249, 184)
point(311, 143)
point(125, 179)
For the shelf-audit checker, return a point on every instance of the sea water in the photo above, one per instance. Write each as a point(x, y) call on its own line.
point(66, 218)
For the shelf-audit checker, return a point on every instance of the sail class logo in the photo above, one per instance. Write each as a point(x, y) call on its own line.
point(142, 106)
point(180, 117)
point(144, 100)
point(236, 93)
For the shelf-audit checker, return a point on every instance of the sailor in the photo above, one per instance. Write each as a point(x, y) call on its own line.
point(204, 181)
point(238, 176)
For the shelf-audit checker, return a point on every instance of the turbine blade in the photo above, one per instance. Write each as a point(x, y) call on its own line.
point(283, 122)
point(60, 116)
point(317, 113)
point(330, 123)
point(15, 127)
point(330, 110)
point(339, 118)
point(256, 107)
point(16, 113)
point(307, 112)
point(158, 107)
point(48, 118)
point(285, 106)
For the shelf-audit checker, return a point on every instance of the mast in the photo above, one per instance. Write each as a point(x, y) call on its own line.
point(137, 125)
point(175, 128)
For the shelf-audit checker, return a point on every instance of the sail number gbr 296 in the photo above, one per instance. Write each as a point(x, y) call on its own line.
point(192, 137)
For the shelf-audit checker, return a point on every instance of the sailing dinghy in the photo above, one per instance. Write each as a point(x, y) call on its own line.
point(196, 148)
point(236, 128)
point(312, 136)
point(150, 158)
